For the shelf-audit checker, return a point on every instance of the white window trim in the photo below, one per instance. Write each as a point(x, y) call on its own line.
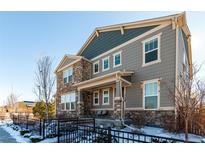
point(63, 104)
point(158, 36)
point(108, 97)
point(97, 62)
point(158, 96)
point(117, 53)
point(108, 63)
point(69, 103)
point(97, 97)
point(66, 70)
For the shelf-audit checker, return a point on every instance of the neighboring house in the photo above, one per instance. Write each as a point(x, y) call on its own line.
point(123, 70)
point(21, 108)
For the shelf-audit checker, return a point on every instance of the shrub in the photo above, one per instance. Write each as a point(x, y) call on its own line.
point(168, 122)
point(35, 139)
point(24, 131)
point(137, 119)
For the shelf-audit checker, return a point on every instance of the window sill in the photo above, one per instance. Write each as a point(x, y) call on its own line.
point(151, 109)
point(94, 73)
point(105, 70)
point(151, 63)
point(115, 66)
point(106, 104)
point(96, 104)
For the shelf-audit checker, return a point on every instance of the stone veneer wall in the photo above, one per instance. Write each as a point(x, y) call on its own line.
point(150, 117)
point(81, 72)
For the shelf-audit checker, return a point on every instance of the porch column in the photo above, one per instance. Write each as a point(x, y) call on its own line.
point(80, 104)
point(118, 100)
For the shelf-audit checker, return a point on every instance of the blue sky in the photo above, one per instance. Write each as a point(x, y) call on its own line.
point(26, 36)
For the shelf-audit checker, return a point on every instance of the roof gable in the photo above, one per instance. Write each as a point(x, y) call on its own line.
point(66, 60)
point(108, 40)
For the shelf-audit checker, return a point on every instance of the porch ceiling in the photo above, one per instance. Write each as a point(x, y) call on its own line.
point(105, 80)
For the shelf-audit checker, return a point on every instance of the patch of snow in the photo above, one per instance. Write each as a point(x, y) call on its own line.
point(156, 131)
point(15, 134)
point(203, 140)
point(27, 135)
point(49, 140)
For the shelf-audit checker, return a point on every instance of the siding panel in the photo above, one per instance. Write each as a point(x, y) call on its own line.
point(132, 60)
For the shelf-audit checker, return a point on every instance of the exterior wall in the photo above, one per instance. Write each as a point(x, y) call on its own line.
point(101, 106)
point(149, 117)
point(132, 60)
point(182, 49)
point(108, 40)
point(81, 72)
point(68, 61)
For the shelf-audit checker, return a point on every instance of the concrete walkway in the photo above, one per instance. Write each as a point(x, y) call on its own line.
point(6, 137)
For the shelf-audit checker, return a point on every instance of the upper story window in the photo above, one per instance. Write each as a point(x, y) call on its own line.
point(151, 94)
point(68, 101)
point(68, 75)
point(96, 67)
point(96, 98)
point(151, 50)
point(106, 63)
point(105, 96)
point(117, 59)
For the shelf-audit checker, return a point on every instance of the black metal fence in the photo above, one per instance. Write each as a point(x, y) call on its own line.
point(27, 123)
point(84, 130)
point(90, 134)
point(53, 127)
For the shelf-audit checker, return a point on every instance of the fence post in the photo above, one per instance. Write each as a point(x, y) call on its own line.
point(94, 124)
point(43, 128)
point(109, 135)
point(40, 128)
point(58, 129)
point(77, 121)
point(26, 122)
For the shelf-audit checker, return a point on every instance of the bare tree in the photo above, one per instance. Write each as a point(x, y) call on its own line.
point(188, 95)
point(11, 101)
point(44, 81)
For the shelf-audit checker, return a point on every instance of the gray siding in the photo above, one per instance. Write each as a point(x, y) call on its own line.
point(183, 49)
point(101, 106)
point(108, 40)
point(68, 61)
point(132, 60)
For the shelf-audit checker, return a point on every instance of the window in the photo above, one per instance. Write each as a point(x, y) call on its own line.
point(96, 98)
point(68, 101)
point(151, 94)
point(151, 50)
point(96, 67)
point(117, 59)
point(106, 64)
point(68, 75)
point(106, 96)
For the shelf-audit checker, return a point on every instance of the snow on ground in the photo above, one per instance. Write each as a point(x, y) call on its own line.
point(15, 134)
point(49, 140)
point(156, 131)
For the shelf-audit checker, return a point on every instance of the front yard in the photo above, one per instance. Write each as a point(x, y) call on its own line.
point(25, 136)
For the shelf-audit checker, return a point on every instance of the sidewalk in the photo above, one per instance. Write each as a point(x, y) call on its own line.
point(6, 137)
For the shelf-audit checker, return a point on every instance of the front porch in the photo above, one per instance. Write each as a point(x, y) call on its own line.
point(103, 96)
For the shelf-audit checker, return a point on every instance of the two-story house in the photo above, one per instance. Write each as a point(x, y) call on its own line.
point(123, 70)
